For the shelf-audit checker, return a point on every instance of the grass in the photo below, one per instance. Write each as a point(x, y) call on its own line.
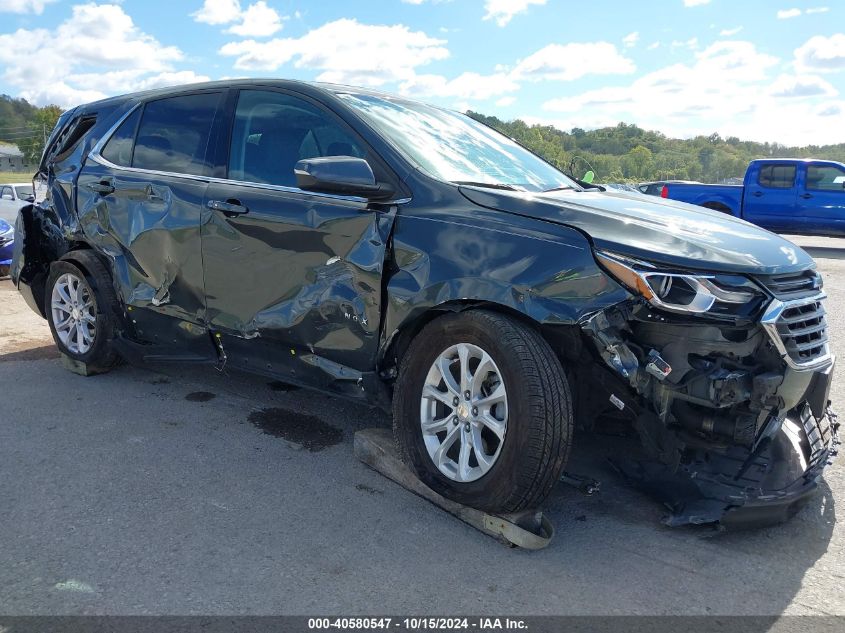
point(8, 176)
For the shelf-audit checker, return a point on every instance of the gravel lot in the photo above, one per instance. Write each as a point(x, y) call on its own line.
point(172, 490)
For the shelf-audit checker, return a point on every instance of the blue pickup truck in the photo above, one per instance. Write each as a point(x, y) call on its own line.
point(805, 197)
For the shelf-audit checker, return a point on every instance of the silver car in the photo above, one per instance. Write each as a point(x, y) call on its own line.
point(12, 197)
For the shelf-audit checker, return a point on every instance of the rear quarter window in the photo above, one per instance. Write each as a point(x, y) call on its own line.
point(119, 148)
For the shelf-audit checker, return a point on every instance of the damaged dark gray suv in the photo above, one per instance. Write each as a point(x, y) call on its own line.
point(412, 258)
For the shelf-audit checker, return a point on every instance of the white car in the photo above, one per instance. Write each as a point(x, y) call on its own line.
point(12, 197)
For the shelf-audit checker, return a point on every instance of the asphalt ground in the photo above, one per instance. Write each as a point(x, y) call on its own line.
point(181, 490)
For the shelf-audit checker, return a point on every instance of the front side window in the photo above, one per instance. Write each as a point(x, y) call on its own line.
point(273, 131)
point(453, 147)
point(825, 178)
point(173, 134)
point(119, 148)
point(777, 176)
point(24, 191)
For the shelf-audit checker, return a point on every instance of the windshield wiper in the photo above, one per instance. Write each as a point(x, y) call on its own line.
point(561, 188)
point(489, 185)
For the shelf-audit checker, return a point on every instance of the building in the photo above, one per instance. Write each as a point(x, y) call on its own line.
point(11, 158)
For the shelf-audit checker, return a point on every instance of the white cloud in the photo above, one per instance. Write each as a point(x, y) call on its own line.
point(218, 12)
point(730, 32)
point(631, 39)
point(654, 46)
point(821, 53)
point(505, 101)
point(802, 86)
point(24, 6)
point(817, 10)
point(96, 40)
point(466, 86)
point(258, 20)
point(691, 43)
point(346, 51)
point(567, 62)
point(502, 11)
point(727, 89)
point(695, 3)
point(785, 14)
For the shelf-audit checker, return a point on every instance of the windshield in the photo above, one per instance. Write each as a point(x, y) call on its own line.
point(455, 148)
point(24, 191)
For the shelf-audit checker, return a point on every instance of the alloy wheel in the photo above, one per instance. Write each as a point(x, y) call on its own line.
point(464, 412)
point(74, 313)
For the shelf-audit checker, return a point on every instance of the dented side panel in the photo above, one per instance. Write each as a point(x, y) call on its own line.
point(458, 252)
point(298, 271)
point(149, 227)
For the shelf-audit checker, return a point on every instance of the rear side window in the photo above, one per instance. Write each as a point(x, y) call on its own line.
point(119, 148)
point(825, 178)
point(777, 176)
point(173, 134)
point(274, 131)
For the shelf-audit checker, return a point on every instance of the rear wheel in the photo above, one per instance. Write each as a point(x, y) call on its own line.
point(482, 411)
point(80, 310)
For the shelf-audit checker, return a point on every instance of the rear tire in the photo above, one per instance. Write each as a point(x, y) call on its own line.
point(524, 438)
point(81, 308)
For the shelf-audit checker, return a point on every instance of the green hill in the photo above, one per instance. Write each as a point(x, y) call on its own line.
point(627, 153)
point(26, 125)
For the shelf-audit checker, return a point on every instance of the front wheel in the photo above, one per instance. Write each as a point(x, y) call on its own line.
point(483, 412)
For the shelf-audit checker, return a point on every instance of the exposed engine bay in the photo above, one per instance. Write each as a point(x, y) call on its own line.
point(733, 412)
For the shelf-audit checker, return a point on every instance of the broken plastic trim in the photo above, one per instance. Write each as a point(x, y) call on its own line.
point(732, 434)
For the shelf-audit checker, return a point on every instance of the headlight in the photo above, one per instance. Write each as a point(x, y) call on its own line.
point(685, 292)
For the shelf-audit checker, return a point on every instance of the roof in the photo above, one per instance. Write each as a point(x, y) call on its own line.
point(310, 88)
point(10, 150)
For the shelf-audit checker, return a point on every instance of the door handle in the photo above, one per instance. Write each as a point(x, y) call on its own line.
point(104, 187)
point(757, 194)
point(807, 196)
point(231, 208)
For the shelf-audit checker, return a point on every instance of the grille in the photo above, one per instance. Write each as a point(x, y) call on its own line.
point(793, 285)
point(803, 331)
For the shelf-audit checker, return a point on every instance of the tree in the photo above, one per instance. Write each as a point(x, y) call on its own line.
point(638, 163)
point(45, 121)
point(626, 152)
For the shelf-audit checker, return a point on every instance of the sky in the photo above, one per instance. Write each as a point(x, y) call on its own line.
point(764, 70)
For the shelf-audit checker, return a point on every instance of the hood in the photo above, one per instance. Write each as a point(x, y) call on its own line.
point(655, 229)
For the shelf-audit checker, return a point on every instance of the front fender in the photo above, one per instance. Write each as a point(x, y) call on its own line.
point(546, 272)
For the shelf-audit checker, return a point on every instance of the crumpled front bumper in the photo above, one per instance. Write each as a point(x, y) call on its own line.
point(744, 445)
point(743, 488)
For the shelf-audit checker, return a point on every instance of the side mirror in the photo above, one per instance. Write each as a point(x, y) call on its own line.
point(341, 175)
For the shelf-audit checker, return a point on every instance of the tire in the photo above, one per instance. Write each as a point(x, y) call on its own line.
point(717, 206)
point(4, 271)
point(538, 418)
point(96, 311)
